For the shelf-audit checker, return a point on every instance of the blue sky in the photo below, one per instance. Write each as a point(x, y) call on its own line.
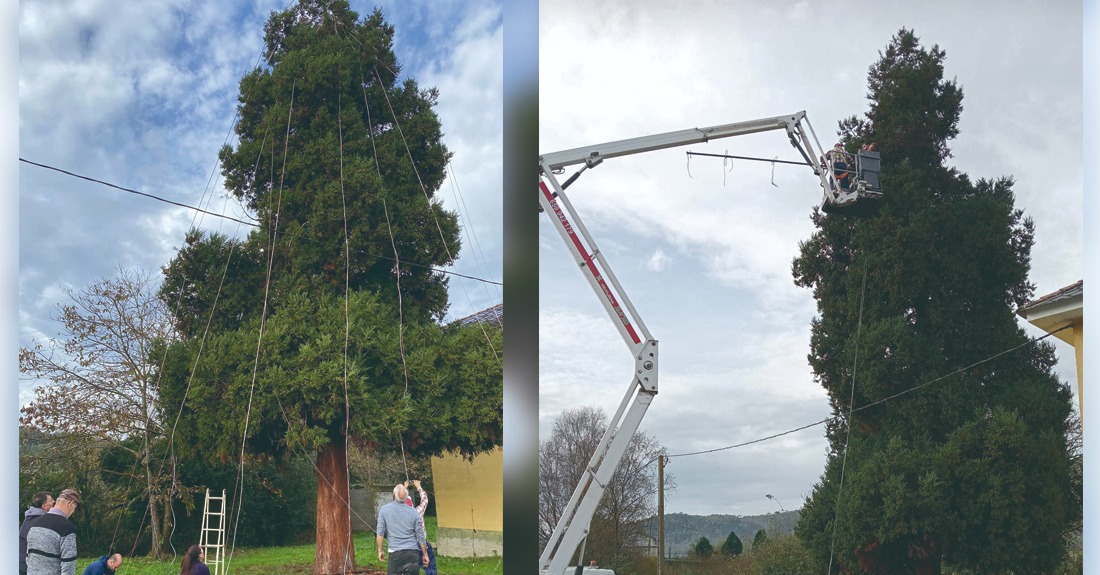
point(143, 95)
point(705, 254)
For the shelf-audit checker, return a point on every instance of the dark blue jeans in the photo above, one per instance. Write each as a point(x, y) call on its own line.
point(430, 568)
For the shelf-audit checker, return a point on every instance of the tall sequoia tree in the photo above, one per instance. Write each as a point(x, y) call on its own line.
point(972, 469)
point(325, 137)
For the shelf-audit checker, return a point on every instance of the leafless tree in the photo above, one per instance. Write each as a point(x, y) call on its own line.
point(97, 381)
point(630, 498)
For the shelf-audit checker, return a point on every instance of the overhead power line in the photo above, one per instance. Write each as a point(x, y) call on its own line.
point(883, 400)
point(158, 198)
point(232, 219)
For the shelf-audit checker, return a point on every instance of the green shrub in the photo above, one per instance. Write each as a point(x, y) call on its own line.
point(782, 555)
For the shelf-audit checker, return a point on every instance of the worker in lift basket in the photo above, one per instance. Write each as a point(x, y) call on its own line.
point(840, 167)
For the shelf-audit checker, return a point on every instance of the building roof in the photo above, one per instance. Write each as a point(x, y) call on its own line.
point(1066, 293)
point(492, 316)
point(1056, 310)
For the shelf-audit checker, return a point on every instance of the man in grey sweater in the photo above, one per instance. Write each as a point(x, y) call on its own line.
point(401, 525)
point(51, 540)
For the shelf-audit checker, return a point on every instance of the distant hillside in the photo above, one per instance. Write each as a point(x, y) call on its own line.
point(682, 530)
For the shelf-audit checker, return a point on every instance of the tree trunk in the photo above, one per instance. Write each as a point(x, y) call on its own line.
point(930, 566)
point(335, 552)
point(928, 555)
point(166, 517)
point(154, 516)
point(923, 554)
point(150, 484)
point(154, 524)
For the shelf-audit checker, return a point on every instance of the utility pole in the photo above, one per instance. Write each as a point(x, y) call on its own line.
point(660, 513)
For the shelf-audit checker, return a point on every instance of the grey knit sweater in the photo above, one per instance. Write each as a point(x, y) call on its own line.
point(51, 546)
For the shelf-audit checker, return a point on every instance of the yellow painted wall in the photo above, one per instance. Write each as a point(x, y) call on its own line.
point(1079, 349)
point(469, 495)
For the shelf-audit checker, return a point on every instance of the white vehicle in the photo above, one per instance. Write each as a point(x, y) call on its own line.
point(587, 571)
point(851, 187)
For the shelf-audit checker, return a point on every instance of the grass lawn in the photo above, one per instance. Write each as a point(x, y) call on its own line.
point(298, 560)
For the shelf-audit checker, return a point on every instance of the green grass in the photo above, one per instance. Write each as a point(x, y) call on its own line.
point(298, 560)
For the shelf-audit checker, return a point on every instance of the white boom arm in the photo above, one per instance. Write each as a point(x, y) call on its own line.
point(572, 527)
point(804, 140)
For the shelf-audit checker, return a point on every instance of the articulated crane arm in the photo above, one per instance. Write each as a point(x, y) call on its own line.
point(572, 527)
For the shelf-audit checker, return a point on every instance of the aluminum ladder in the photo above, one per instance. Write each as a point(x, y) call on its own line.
point(212, 537)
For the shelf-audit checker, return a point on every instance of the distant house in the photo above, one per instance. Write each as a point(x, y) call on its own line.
point(493, 316)
point(1062, 309)
point(469, 495)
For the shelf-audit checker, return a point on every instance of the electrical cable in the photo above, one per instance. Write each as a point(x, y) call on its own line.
point(252, 224)
point(263, 321)
point(206, 190)
point(470, 231)
point(132, 191)
point(397, 268)
point(349, 547)
point(424, 189)
point(848, 427)
point(877, 402)
point(198, 356)
point(430, 210)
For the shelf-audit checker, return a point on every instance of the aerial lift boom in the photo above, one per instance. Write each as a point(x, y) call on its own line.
point(572, 527)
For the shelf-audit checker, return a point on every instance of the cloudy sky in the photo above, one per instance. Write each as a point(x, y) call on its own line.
point(143, 94)
point(705, 252)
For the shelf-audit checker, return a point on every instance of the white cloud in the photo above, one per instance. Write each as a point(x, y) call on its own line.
point(582, 360)
point(658, 262)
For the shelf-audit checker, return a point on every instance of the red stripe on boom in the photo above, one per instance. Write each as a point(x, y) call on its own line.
point(588, 262)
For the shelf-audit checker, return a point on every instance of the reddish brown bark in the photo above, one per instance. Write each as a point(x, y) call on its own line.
point(927, 554)
point(335, 552)
point(924, 557)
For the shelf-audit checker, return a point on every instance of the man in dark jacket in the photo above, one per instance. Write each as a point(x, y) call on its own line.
point(51, 540)
point(105, 565)
point(40, 504)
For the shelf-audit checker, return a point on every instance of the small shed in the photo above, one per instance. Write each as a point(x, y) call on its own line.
point(365, 502)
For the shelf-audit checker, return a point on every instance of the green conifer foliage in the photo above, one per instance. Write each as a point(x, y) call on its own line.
point(949, 473)
point(732, 546)
point(339, 163)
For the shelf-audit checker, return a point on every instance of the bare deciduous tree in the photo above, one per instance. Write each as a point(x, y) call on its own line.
point(97, 381)
point(619, 524)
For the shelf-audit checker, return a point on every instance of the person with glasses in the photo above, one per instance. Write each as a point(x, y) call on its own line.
point(40, 504)
point(51, 540)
